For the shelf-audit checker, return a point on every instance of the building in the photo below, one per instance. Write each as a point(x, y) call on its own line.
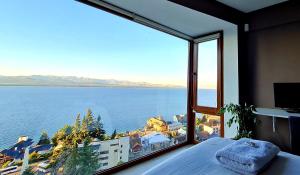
point(43, 168)
point(155, 141)
point(180, 118)
point(40, 149)
point(113, 152)
point(216, 130)
point(22, 139)
point(181, 131)
point(136, 146)
point(17, 151)
point(4, 158)
point(174, 126)
point(178, 139)
point(157, 124)
point(208, 129)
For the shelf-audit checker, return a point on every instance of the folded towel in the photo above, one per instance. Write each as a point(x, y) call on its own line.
point(247, 156)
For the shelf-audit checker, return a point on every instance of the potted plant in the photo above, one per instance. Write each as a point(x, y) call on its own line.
point(242, 115)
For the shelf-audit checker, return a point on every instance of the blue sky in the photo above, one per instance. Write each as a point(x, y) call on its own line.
point(67, 38)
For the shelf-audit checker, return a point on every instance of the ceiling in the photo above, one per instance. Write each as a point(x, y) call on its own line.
point(250, 5)
point(177, 17)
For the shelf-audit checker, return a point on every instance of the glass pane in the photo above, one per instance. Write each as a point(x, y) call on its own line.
point(85, 90)
point(207, 74)
point(207, 126)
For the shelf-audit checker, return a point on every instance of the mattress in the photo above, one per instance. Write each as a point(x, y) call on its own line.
point(200, 160)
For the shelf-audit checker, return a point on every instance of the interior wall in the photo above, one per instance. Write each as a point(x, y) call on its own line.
point(231, 79)
point(272, 55)
point(273, 52)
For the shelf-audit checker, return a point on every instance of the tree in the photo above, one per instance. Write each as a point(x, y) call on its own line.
point(88, 160)
point(76, 159)
point(77, 125)
point(64, 135)
point(28, 171)
point(98, 131)
point(114, 134)
point(33, 157)
point(44, 139)
point(67, 138)
point(84, 128)
point(89, 118)
point(204, 119)
point(70, 165)
point(67, 130)
point(82, 161)
point(76, 130)
point(54, 139)
point(198, 121)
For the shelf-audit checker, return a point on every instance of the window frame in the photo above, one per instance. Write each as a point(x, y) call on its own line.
point(191, 99)
point(191, 108)
point(220, 74)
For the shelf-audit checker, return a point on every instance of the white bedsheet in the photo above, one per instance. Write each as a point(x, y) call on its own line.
point(200, 160)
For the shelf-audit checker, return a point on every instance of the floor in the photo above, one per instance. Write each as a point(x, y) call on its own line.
point(140, 168)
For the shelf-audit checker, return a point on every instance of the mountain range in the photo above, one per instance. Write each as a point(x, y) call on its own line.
point(72, 81)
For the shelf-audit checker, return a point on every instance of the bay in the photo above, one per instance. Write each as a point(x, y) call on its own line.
point(28, 110)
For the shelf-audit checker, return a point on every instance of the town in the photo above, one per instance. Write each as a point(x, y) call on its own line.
point(73, 147)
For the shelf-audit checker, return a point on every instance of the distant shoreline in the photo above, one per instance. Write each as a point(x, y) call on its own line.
point(73, 81)
point(91, 86)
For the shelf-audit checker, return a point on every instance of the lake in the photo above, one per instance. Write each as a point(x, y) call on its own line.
point(26, 110)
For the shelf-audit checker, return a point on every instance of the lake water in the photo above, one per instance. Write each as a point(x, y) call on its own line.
point(31, 110)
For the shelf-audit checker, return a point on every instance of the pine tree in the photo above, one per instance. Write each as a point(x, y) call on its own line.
point(70, 165)
point(84, 128)
point(54, 139)
point(82, 161)
point(114, 134)
point(76, 130)
point(98, 131)
point(44, 139)
point(67, 130)
point(89, 118)
point(68, 138)
point(62, 134)
point(88, 160)
point(77, 125)
point(204, 119)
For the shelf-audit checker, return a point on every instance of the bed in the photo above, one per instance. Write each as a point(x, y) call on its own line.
point(200, 160)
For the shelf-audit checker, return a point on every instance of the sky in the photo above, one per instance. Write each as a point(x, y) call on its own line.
point(67, 38)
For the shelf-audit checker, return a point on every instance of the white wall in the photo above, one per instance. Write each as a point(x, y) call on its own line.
point(231, 83)
point(121, 146)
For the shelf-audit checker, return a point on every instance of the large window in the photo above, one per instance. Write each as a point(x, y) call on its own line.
point(208, 86)
point(82, 90)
